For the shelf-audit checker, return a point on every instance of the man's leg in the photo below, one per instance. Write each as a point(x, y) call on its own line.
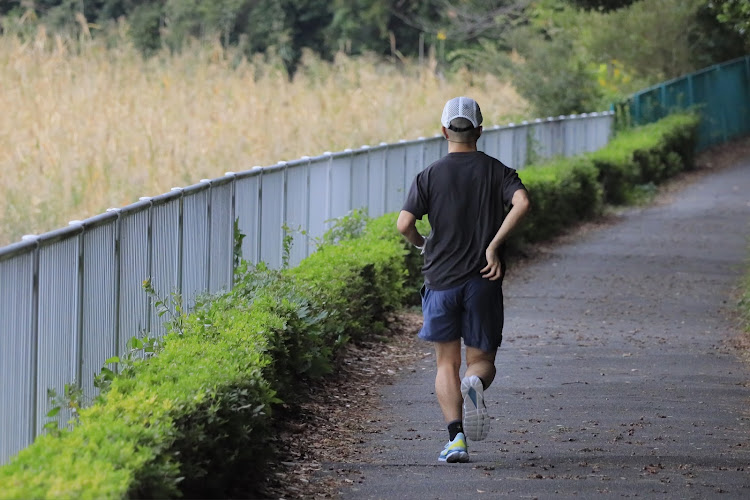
point(448, 381)
point(482, 330)
point(442, 311)
point(480, 373)
point(481, 364)
point(448, 390)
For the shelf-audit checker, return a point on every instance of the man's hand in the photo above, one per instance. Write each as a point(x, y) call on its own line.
point(494, 269)
point(520, 206)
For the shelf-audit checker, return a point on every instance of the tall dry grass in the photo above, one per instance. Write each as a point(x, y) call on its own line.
point(84, 127)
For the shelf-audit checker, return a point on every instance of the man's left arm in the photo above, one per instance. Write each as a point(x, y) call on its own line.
point(520, 206)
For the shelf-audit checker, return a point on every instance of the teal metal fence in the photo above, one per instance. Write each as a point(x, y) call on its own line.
point(720, 93)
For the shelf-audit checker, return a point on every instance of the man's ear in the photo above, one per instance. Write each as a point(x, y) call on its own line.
point(445, 132)
point(480, 132)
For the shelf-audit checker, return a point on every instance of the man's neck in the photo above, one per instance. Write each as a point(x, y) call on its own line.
point(461, 147)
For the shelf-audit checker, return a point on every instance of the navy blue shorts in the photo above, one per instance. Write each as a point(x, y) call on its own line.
point(472, 311)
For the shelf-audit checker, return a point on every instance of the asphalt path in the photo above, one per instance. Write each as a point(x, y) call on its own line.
point(617, 376)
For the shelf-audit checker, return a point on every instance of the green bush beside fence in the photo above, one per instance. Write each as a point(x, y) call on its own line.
point(646, 155)
point(562, 193)
point(194, 419)
point(567, 191)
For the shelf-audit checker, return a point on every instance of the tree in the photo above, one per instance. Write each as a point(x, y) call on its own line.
point(380, 26)
point(307, 21)
point(359, 26)
point(468, 33)
point(201, 19)
point(556, 81)
point(9, 6)
point(658, 39)
point(714, 41)
point(145, 27)
point(601, 5)
point(467, 20)
point(735, 14)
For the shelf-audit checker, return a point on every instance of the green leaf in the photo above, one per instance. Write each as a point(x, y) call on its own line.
point(113, 359)
point(53, 412)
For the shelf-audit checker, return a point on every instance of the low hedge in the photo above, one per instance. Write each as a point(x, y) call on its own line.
point(563, 191)
point(646, 155)
point(194, 419)
point(566, 191)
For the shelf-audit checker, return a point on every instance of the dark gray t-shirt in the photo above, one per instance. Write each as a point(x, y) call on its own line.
point(465, 196)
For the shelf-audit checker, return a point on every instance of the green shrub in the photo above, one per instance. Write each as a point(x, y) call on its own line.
point(644, 155)
point(617, 171)
point(194, 419)
point(165, 427)
point(563, 192)
point(358, 279)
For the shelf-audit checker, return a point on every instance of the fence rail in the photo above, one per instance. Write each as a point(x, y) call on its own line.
point(719, 93)
point(72, 298)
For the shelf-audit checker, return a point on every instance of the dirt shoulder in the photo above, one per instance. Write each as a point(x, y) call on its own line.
point(329, 425)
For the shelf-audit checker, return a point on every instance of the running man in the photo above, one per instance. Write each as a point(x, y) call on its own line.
point(465, 196)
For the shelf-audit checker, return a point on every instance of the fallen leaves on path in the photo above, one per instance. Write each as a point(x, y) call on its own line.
point(328, 426)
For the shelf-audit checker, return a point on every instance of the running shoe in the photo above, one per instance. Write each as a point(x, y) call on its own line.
point(455, 451)
point(476, 420)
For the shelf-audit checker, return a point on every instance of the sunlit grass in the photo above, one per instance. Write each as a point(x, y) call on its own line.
point(84, 127)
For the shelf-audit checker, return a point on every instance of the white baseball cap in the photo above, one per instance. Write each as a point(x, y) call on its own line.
point(461, 107)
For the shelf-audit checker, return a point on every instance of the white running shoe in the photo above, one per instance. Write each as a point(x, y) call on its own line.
point(476, 419)
point(455, 451)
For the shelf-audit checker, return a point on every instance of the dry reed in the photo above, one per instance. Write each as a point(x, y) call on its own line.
point(84, 127)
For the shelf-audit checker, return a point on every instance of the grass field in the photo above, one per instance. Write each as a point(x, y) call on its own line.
point(84, 127)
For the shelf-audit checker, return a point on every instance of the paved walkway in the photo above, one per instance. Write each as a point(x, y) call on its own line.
point(616, 378)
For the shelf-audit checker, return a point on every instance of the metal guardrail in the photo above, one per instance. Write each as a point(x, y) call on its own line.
point(72, 298)
point(720, 93)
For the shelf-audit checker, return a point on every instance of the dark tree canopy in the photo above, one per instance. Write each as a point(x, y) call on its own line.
point(469, 32)
point(602, 5)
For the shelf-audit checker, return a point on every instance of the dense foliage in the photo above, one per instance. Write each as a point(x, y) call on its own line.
point(582, 60)
point(735, 13)
point(602, 5)
point(284, 27)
